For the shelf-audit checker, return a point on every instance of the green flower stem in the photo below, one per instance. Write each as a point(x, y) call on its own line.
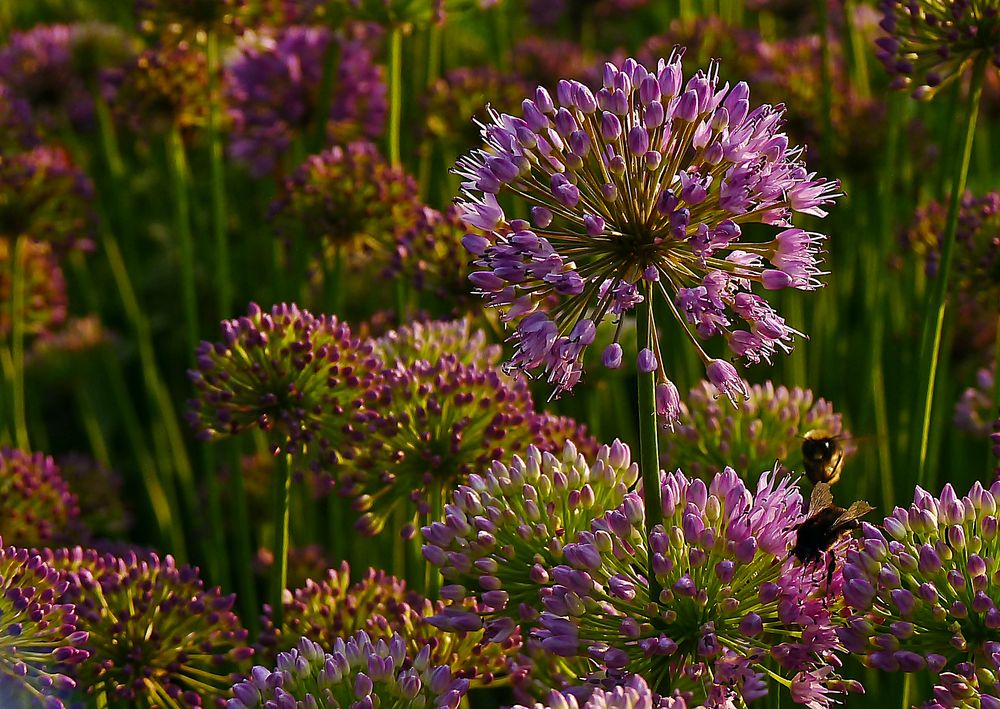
point(222, 276)
point(434, 40)
point(395, 93)
point(18, 409)
point(937, 302)
point(282, 505)
point(180, 183)
point(649, 454)
point(243, 542)
point(328, 81)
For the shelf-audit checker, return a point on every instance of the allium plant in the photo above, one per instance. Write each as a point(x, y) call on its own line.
point(430, 341)
point(39, 636)
point(293, 374)
point(155, 632)
point(732, 615)
point(163, 87)
point(460, 95)
point(44, 288)
point(975, 410)
point(634, 693)
point(186, 17)
point(36, 505)
point(930, 43)
point(17, 130)
point(98, 489)
point(639, 191)
point(766, 428)
point(504, 532)
point(924, 592)
point(355, 673)
point(382, 606)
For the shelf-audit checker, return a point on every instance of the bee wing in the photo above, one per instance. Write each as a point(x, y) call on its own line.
point(820, 499)
point(856, 511)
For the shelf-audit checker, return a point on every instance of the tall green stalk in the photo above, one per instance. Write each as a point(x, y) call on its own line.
point(18, 411)
point(395, 93)
point(222, 277)
point(937, 302)
point(180, 184)
point(282, 505)
point(649, 453)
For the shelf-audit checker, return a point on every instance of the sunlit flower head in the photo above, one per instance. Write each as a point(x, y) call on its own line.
point(640, 191)
point(162, 87)
point(39, 636)
point(356, 672)
point(733, 601)
point(44, 288)
point(929, 43)
point(17, 130)
point(924, 592)
point(186, 18)
point(460, 95)
point(429, 341)
point(36, 505)
point(154, 631)
point(504, 531)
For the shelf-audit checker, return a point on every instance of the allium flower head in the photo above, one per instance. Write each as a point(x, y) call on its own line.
point(929, 43)
point(17, 130)
point(47, 198)
point(162, 87)
point(98, 490)
point(924, 591)
point(355, 673)
point(186, 18)
point(347, 197)
point(44, 288)
point(460, 95)
point(39, 636)
point(505, 530)
point(974, 411)
point(767, 427)
point(154, 631)
point(634, 693)
point(553, 431)
point(36, 505)
point(273, 86)
point(382, 606)
point(732, 598)
point(639, 191)
point(288, 371)
point(432, 340)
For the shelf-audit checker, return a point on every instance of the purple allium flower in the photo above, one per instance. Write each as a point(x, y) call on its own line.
point(274, 82)
point(154, 630)
point(928, 44)
point(36, 505)
point(732, 597)
point(382, 606)
point(297, 375)
point(58, 352)
point(17, 129)
point(40, 638)
point(357, 672)
point(638, 191)
point(545, 60)
point(98, 490)
point(553, 431)
point(974, 410)
point(162, 87)
point(633, 693)
point(925, 592)
point(44, 288)
point(430, 341)
point(505, 530)
point(348, 198)
point(765, 428)
point(46, 198)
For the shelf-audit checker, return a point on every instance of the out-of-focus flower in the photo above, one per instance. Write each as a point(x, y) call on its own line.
point(637, 192)
point(39, 636)
point(162, 87)
point(633, 693)
point(47, 198)
point(553, 431)
point(355, 673)
point(733, 599)
point(924, 594)
point(459, 97)
point(154, 631)
point(347, 198)
point(36, 505)
point(545, 60)
point(408, 13)
point(505, 530)
point(307, 562)
point(432, 340)
point(273, 87)
point(60, 349)
point(44, 288)
point(298, 376)
point(766, 428)
point(98, 490)
point(186, 18)
point(929, 44)
point(429, 256)
point(432, 424)
point(975, 274)
point(974, 410)
point(382, 606)
point(17, 130)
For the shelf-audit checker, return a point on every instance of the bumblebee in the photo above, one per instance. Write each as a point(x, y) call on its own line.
point(822, 457)
point(824, 524)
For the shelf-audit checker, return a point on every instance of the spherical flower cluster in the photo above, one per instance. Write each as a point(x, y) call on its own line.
point(347, 197)
point(974, 412)
point(382, 606)
point(553, 431)
point(59, 352)
point(731, 599)
point(431, 424)
point(173, 18)
point(285, 371)
point(430, 341)
point(766, 428)
point(634, 693)
point(273, 88)
point(429, 256)
point(155, 632)
point(162, 87)
point(924, 592)
point(639, 191)
point(39, 635)
point(98, 490)
point(44, 288)
point(458, 97)
point(929, 44)
point(356, 673)
point(17, 130)
point(505, 531)
point(36, 505)
point(45, 198)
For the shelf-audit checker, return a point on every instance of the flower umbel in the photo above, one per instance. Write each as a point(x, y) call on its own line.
point(639, 191)
point(36, 505)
